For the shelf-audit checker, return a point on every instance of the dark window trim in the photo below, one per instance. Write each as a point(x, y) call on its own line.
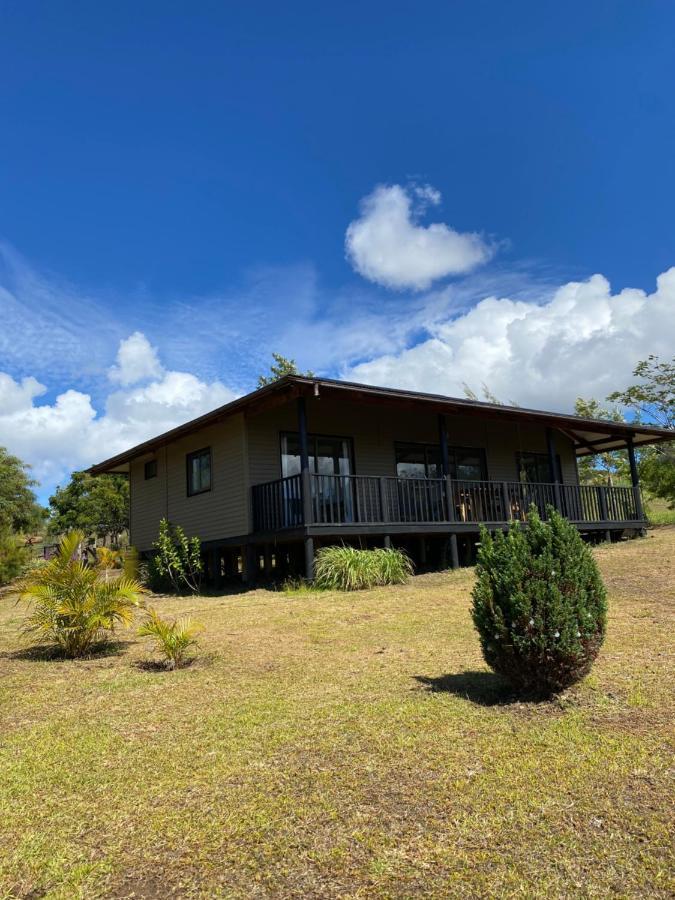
point(481, 451)
point(541, 454)
point(188, 458)
point(317, 435)
point(146, 469)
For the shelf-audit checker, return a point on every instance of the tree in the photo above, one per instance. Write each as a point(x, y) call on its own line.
point(19, 509)
point(539, 604)
point(652, 399)
point(280, 367)
point(601, 468)
point(99, 506)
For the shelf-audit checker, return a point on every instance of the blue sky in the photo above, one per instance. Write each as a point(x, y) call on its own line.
point(231, 179)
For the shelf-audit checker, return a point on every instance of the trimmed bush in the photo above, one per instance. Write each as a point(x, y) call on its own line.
point(539, 604)
point(350, 569)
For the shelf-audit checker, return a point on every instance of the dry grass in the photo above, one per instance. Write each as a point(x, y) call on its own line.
point(328, 745)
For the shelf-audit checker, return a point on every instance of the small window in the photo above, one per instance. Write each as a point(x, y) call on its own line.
point(199, 472)
point(150, 469)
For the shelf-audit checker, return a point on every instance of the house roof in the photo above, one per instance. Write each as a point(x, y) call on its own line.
point(589, 435)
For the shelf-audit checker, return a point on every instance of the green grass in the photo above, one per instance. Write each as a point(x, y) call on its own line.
point(658, 511)
point(338, 745)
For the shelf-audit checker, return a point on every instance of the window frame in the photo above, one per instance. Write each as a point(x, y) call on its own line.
point(316, 436)
point(480, 452)
point(153, 474)
point(540, 455)
point(189, 457)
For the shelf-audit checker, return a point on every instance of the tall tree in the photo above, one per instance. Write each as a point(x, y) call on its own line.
point(280, 367)
point(652, 400)
point(19, 509)
point(99, 506)
point(601, 468)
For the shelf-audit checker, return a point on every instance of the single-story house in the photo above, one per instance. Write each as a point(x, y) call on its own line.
point(304, 461)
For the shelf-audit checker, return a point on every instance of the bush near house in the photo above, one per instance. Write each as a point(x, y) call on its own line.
point(176, 565)
point(351, 569)
point(539, 604)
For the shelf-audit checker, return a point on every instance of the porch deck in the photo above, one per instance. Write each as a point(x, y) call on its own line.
point(359, 503)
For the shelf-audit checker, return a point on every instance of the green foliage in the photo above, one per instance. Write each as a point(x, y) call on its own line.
point(601, 468)
point(349, 569)
point(539, 604)
point(96, 505)
point(19, 509)
point(71, 606)
point(177, 562)
point(14, 557)
point(173, 639)
point(652, 399)
point(280, 367)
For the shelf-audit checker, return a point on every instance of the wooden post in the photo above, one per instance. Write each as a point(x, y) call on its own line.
point(443, 440)
point(306, 484)
point(553, 466)
point(602, 500)
point(384, 512)
point(454, 552)
point(309, 558)
point(634, 477)
point(250, 564)
point(423, 550)
point(387, 541)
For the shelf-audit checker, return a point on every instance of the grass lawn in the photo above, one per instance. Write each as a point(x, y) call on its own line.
point(327, 745)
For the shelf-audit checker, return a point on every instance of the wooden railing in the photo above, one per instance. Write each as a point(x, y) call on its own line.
point(371, 500)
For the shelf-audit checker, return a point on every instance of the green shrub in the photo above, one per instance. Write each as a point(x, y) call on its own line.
point(350, 569)
point(14, 557)
point(71, 606)
point(176, 564)
point(173, 639)
point(539, 604)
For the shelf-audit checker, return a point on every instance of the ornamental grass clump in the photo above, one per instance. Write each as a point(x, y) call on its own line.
point(539, 604)
point(351, 569)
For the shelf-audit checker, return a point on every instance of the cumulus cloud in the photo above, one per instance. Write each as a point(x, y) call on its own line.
point(69, 433)
point(388, 245)
point(583, 340)
point(137, 360)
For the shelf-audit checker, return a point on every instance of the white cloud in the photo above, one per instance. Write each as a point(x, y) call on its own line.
point(386, 244)
point(582, 341)
point(69, 433)
point(137, 360)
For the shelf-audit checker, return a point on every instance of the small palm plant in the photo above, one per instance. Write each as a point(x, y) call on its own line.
point(173, 639)
point(108, 559)
point(72, 607)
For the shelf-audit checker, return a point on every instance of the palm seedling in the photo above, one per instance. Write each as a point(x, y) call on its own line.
point(172, 638)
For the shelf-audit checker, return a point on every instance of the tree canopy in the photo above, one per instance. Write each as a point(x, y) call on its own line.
point(19, 509)
point(280, 367)
point(98, 506)
point(601, 467)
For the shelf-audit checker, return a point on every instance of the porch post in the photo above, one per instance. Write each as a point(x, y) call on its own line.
point(634, 477)
point(309, 558)
point(304, 463)
point(445, 465)
point(454, 553)
point(553, 466)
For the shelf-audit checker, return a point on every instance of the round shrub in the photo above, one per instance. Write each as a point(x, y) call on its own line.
point(539, 604)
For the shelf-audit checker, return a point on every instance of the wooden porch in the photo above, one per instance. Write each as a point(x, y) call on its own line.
point(356, 503)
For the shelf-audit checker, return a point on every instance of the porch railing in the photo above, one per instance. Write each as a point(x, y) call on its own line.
point(372, 500)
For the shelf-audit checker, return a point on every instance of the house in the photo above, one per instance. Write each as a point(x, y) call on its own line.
point(306, 461)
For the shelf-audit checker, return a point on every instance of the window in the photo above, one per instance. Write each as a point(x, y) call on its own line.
point(327, 455)
point(534, 468)
point(424, 461)
point(199, 471)
point(150, 469)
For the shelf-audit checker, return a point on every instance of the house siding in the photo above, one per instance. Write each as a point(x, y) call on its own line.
point(219, 513)
point(375, 430)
